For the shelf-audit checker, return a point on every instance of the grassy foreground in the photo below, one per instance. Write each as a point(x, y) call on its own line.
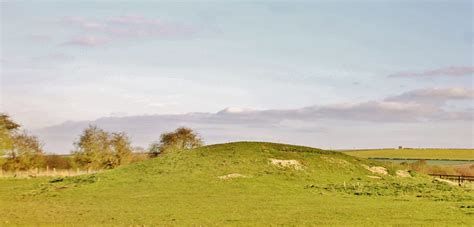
point(445, 154)
point(184, 188)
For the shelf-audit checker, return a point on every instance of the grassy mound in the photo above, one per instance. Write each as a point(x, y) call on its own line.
point(238, 183)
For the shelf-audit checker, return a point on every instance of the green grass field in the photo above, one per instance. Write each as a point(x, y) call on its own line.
point(446, 154)
point(184, 188)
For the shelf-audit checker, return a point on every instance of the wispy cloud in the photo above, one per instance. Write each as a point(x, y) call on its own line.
point(134, 19)
point(448, 71)
point(88, 41)
point(54, 57)
point(434, 95)
point(22, 63)
point(83, 23)
point(126, 27)
point(39, 38)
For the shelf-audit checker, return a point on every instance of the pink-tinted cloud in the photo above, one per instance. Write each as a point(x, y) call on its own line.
point(134, 19)
point(448, 71)
point(411, 106)
point(434, 95)
point(92, 25)
point(88, 41)
point(404, 112)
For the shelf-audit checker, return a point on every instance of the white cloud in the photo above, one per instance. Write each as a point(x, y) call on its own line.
point(248, 122)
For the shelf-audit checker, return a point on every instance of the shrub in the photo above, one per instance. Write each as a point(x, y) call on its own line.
point(58, 161)
point(181, 138)
point(98, 149)
point(154, 150)
point(465, 170)
point(25, 153)
point(138, 157)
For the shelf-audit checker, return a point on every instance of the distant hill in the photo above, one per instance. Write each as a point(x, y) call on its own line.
point(415, 153)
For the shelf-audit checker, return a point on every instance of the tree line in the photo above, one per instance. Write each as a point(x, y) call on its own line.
point(94, 150)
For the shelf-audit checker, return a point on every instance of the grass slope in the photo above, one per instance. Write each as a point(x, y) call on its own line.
point(183, 188)
point(446, 154)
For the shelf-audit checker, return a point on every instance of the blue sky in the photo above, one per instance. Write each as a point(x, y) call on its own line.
point(403, 67)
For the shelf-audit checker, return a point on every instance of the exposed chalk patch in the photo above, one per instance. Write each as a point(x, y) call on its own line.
point(287, 163)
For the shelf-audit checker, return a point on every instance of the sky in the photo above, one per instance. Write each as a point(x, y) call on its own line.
point(329, 74)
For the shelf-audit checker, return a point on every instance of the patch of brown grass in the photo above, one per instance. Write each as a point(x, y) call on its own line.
point(422, 167)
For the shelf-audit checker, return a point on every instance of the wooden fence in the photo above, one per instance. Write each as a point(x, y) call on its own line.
point(44, 173)
point(459, 178)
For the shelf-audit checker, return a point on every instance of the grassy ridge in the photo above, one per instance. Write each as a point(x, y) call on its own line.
point(445, 154)
point(183, 188)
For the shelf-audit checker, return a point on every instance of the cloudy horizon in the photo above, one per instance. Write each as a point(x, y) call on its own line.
point(339, 75)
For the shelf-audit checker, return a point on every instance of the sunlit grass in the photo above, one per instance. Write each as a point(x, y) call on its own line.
point(183, 188)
